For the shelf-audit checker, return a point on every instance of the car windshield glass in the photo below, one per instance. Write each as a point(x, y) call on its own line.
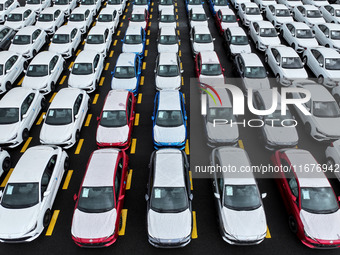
point(220, 113)
point(137, 17)
point(168, 39)
point(59, 117)
point(59, 38)
point(268, 32)
point(87, 2)
point(9, 115)
point(199, 17)
point(241, 197)
point(1, 7)
point(167, 70)
point(113, 119)
point(45, 17)
point(337, 13)
point(169, 118)
point(82, 69)
point(167, 18)
point(239, 40)
point(166, 2)
point(3, 33)
point(77, 17)
point(169, 200)
point(275, 119)
point(335, 34)
point(61, 2)
point(324, 109)
point(33, 2)
point(141, 2)
point(304, 33)
point(14, 17)
point(114, 2)
point(221, 2)
point(314, 14)
point(22, 39)
point(105, 18)
point(95, 39)
point(211, 69)
point(1, 69)
point(124, 72)
point(332, 63)
point(20, 195)
point(203, 38)
point(255, 72)
point(229, 18)
point(319, 200)
point(292, 63)
point(37, 70)
point(282, 13)
point(133, 39)
point(96, 199)
point(194, 2)
point(252, 11)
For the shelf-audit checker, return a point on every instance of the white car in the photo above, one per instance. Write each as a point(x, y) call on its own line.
point(298, 35)
point(285, 64)
point(324, 120)
point(278, 14)
point(11, 66)
point(249, 12)
point(5, 161)
point(167, 40)
point(325, 64)
point(317, 3)
point(241, 216)
point(50, 19)
point(237, 3)
point(262, 4)
point(93, 5)
point(165, 4)
point(99, 39)
point(18, 110)
point(65, 117)
point(263, 34)
point(6, 6)
point(28, 197)
point(226, 18)
point(169, 200)
point(328, 35)
point(201, 39)
point(134, 40)
point(28, 41)
point(20, 17)
point(86, 71)
point(167, 18)
point(308, 14)
point(38, 5)
point(331, 13)
point(193, 4)
point(143, 4)
point(139, 18)
point(168, 71)
point(290, 3)
point(44, 71)
point(236, 41)
point(219, 134)
point(333, 158)
point(81, 18)
point(67, 6)
point(65, 41)
point(109, 18)
point(118, 5)
point(197, 17)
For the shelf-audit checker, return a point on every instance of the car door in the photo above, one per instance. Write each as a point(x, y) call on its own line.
point(49, 183)
point(120, 185)
point(53, 69)
point(271, 13)
point(254, 29)
point(74, 38)
point(78, 112)
point(58, 17)
point(35, 40)
point(88, 18)
point(12, 69)
point(312, 61)
point(28, 112)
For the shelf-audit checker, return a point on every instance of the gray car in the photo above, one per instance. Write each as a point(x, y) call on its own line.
point(6, 35)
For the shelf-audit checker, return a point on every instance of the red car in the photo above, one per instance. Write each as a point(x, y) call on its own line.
point(208, 68)
point(97, 214)
point(225, 18)
point(312, 207)
point(116, 120)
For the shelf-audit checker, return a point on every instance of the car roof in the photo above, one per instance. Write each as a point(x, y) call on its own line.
point(169, 100)
point(86, 56)
point(264, 24)
point(306, 178)
point(116, 100)
point(201, 29)
point(319, 93)
point(15, 97)
point(5, 55)
point(97, 29)
point(126, 59)
point(32, 164)
point(299, 25)
point(331, 26)
point(227, 11)
point(236, 31)
point(309, 7)
point(50, 9)
point(209, 57)
point(43, 57)
point(223, 94)
point(65, 98)
point(250, 4)
point(279, 6)
point(27, 30)
point(285, 51)
point(251, 59)
point(167, 11)
point(168, 171)
point(267, 98)
point(198, 9)
point(327, 52)
point(167, 30)
point(167, 58)
point(335, 6)
point(20, 9)
point(138, 10)
point(80, 9)
point(65, 29)
point(107, 11)
point(133, 30)
point(101, 168)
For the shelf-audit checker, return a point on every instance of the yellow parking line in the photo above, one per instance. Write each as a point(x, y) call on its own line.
point(150, 24)
point(137, 119)
point(52, 223)
point(126, 10)
point(88, 120)
point(4, 182)
point(191, 184)
point(63, 79)
point(268, 233)
point(118, 33)
point(177, 18)
point(133, 146)
point(179, 42)
point(180, 53)
point(70, 66)
point(67, 179)
point(152, 4)
point(240, 144)
point(24, 148)
point(296, 147)
point(101, 82)
point(49, 44)
point(150, 16)
point(111, 53)
point(151, 10)
point(147, 41)
point(121, 24)
point(95, 99)
point(128, 4)
point(129, 179)
point(184, 97)
point(124, 16)
point(194, 226)
point(139, 99)
point(52, 97)
point(187, 151)
point(107, 66)
point(182, 81)
point(40, 118)
point(176, 10)
point(144, 65)
point(78, 52)
point(80, 144)
point(124, 217)
point(148, 32)
point(19, 83)
point(141, 80)
point(178, 34)
point(177, 24)
point(94, 23)
point(176, 4)
point(181, 66)
point(146, 53)
point(83, 43)
point(115, 43)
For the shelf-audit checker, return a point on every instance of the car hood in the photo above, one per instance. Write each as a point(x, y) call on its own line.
point(312, 42)
point(270, 40)
point(295, 73)
point(168, 48)
point(54, 134)
point(333, 74)
point(128, 84)
point(8, 131)
point(198, 47)
point(35, 82)
point(20, 48)
point(14, 24)
point(45, 25)
point(95, 47)
point(34, 7)
point(169, 225)
point(198, 23)
point(281, 135)
point(212, 80)
point(321, 226)
point(253, 17)
point(240, 49)
point(294, 3)
point(80, 81)
point(329, 126)
point(226, 25)
point(77, 24)
point(60, 48)
point(284, 19)
point(112, 134)
point(222, 133)
point(168, 82)
point(256, 84)
point(316, 20)
point(169, 134)
point(139, 23)
point(134, 48)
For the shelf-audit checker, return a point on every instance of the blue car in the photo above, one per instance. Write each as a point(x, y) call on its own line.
point(215, 5)
point(141, 4)
point(169, 120)
point(127, 72)
point(134, 40)
point(189, 4)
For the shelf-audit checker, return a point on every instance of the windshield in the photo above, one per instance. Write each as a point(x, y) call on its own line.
point(33, 2)
point(96, 199)
point(45, 17)
point(20, 195)
point(304, 33)
point(268, 32)
point(22, 39)
point(114, 2)
point(314, 14)
point(324, 109)
point(229, 18)
point(59, 38)
point(252, 11)
point(58, 117)
point(37, 70)
point(113, 119)
point(14, 17)
point(141, 2)
point(241, 197)
point(169, 118)
point(164, 199)
point(105, 18)
point(282, 13)
point(87, 2)
point(82, 69)
point(332, 63)
point(167, 18)
point(221, 2)
point(211, 69)
point(239, 40)
point(133, 39)
point(61, 2)
point(124, 72)
point(168, 39)
point(199, 17)
point(9, 115)
point(165, 2)
point(167, 70)
point(255, 72)
point(95, 39)
point(194, 2)
point(335, 34)
point(218, 113)
point(203, 38)
point(292, 63)
point(337, 13)
point(137, 17)
point(319, 200)
point(275, 119)
point(77, 17)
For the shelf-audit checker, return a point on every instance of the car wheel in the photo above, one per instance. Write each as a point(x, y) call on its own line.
point(96, 85)
point(292, 224)
point(278, 78)
point(47, 218)
point(77, 136)
point(47, 39)
point(304, 60)
point(66, 163)
point(257, 46)
point(320, 79)
point(308, 128)
point(25, 65)
point(25, 134)
point(6, 164)
point(8, 86)
point(266, 59)
point(330, 163)
point(52, 86)
point(55, 29)
point(43, 103)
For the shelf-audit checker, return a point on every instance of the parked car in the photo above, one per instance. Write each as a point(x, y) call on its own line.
point(139, 18)
point(167, 40)
point(317, 3)
point(290, 3)
point(166, 4)
point(308, 14)
point(236, 41)
point(197, 17)
point(168, 71)
point(216, 5)
point(331, 13)
point(81, 17)
point(328, 35)
point(249, 12)
point(99, 39)
point(20, 17)
point(143, 4)
point(263, 34)
point(262, 4)
point(278, 14)
point(167, 18)
point(201, 39)
point(6, 6)
point(134, 40)
point(189, 4)
point(224, 19)
point(109, 18)
point(50, 20)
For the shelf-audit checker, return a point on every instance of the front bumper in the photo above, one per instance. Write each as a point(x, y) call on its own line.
point(179, 145)
point(169, 243)
point(95, 243)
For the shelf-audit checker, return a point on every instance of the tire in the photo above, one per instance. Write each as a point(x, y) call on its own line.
point(304, 60)
point(47, 218)
point(257, 46)
point(77, 136)
point(278, 78)
point(8, 86)
point(52, 86)
point(25, 134)
point(327, 45)
point(6, 164)
point(293, 46)
point(25, 66)
point(292, 224)
point(266, 59)
point(320, 79)
point(308, 128)
point(66, 163)
point(43, 103)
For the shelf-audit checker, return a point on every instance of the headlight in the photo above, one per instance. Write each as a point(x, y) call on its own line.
point(306, 234)
point(33, 228)
point(14, 137)
point(320, 132)
point(26, 52)
point(68, 138)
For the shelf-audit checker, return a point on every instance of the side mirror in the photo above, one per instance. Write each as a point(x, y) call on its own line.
point(185, 117)
point(98, 118)
point(327, 36)
point(293, 198)
point(338, 197)
point(152, 118)
point(155, 71)
point(129, 18)
point(76, 117)
point(147, 197)
point(24, 116)
point(320, 64)
point(122, 40)
point(190, 39)
point(191, 197)
point(293, 34)
point(85, 40)
point(223, 69)
point(44, 116)
point(217, 195)
point(263, 195)
point(121, 197)
point(25, 71)
point(278, 63)
point(70, 69)
point(75, 197)
point(214, 39)
point(132, 118)
point(46, 193)
point(182, 71)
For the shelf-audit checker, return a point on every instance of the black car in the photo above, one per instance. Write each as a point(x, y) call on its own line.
point(6, 35)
